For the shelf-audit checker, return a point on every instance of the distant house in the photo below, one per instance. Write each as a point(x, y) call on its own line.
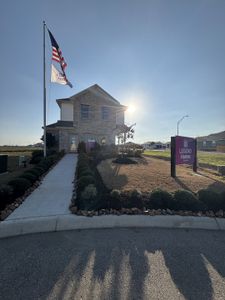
point(155, 145)
point(212, 142)
point(92, 115)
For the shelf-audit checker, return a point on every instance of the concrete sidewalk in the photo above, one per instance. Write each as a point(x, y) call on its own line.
point(53, 196)
point(47, 210)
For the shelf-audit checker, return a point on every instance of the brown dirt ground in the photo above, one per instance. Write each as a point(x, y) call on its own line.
point(152, 173)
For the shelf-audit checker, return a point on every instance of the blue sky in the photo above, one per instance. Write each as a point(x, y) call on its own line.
point(167, 58)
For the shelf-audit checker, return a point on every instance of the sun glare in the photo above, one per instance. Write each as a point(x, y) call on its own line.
point(131, 108)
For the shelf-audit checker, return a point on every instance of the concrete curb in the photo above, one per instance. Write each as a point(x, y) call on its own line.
point(16, 227)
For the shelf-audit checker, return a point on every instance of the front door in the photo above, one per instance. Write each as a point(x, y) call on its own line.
point(73, 143)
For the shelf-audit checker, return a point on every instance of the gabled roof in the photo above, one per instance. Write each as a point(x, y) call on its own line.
point(94, 89)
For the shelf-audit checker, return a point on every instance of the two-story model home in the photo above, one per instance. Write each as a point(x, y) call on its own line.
point(91, 115)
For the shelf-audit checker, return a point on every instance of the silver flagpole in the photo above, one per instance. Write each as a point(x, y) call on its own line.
point(44, 91)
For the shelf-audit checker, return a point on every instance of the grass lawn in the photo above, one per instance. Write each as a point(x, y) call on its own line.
point(211, 158)
point(17, 150)
point(14, 169)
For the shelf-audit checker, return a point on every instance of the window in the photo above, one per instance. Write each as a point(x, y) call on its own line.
point(84, 111)
point(105, 113)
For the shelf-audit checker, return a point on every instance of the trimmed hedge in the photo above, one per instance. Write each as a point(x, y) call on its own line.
point(19, 185)
point(29, 176)
point(185, 200)
point(35, 172)
point(135, 199)
point(84, 181)
point(124, 160)
point(160, 199)
point(115, 199)
point(6, 192)
point(81, 147)
point(89, 197)
point(211, 200)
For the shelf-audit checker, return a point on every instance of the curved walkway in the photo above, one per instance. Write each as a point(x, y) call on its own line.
point(47, 209)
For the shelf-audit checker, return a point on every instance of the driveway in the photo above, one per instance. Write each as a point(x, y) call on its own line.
point(114, 264)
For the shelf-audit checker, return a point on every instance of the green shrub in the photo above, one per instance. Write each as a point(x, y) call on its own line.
point(30, 173)
point(36, 156)
point(185, 200)
point(45, 167)
point(134, 199)
point(124, 160)
point(6, 192)
point(160, 199)
point(84, 181)
point(222, 196)
point(212, 200)
point(81, 147)
point(88, 197)
point(83, 156)
point(29, 176)
point(115, 199)
point(86, 172)
point(19, 185)
point(138, 153)
point(34, 172)
point(40, 170)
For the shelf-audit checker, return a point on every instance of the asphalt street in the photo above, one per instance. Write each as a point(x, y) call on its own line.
point(114, 264)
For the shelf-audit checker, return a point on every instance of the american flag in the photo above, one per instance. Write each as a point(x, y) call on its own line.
point(57, 56)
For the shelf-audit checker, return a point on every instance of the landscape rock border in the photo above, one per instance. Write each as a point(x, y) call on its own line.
point(148, 212)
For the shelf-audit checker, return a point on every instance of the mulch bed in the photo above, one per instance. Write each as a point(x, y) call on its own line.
point(151, 173)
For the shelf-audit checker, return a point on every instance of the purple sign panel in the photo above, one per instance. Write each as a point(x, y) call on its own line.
point(185, 150)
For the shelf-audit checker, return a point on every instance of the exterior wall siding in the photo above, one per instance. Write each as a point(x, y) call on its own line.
point(66, 112)
point(101, 123)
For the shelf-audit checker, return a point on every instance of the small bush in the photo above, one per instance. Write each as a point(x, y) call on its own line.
point(43, 165)
point(84, 181)
point(86, 172)
point(35, 172)
point(31, 177)
point(19, 185)
point(185, 200)
point(160, 199)
point(138, 153)
point(135, 199)
point(115, 199)
point(81, 147)
point(124, 160)
point(31, 173)
point(6, 192)
point(36, 156)
point(40, 170)
point(88, 197)
point(211, 199)
point(222, 196)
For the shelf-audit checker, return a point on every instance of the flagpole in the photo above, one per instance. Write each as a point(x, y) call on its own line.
point(44, 90)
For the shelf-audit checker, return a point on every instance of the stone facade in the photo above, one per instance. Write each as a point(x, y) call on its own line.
point(96, 115)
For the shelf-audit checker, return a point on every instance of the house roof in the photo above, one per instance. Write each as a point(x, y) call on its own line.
point(61, 124)
point(94, 89)
point(212, 137)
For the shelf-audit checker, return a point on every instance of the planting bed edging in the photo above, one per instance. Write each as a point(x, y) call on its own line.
point(72, 222)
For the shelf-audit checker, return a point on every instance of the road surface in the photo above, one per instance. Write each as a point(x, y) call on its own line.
point(114, 264)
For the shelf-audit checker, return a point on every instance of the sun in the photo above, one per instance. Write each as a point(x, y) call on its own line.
point(131, 108)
